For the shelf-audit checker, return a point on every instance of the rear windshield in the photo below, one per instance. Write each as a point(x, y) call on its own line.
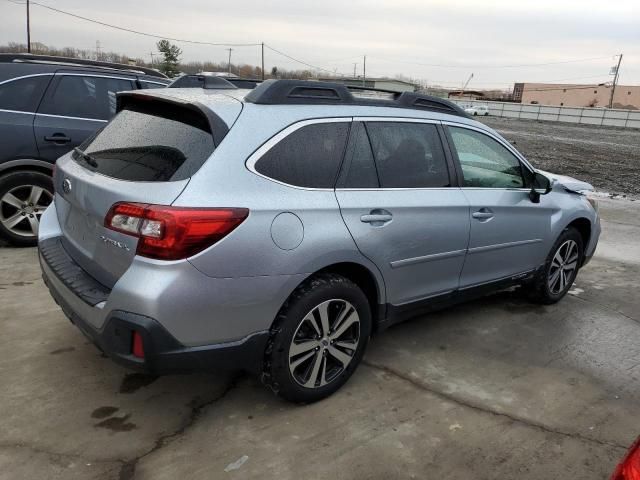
point(151, 143)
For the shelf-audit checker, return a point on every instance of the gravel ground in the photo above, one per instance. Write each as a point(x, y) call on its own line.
point(608, 158)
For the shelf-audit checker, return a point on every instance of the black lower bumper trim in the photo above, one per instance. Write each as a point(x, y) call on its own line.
point(162, 352)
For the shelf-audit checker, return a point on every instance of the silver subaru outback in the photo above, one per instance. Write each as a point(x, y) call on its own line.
point(275, 230)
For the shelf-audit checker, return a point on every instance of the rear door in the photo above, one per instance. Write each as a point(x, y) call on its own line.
point(397, 196)
point(19, 98)
point(146, 154)
point(74, 106)
point(508, 231)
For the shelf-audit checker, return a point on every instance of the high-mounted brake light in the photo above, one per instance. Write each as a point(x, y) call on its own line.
point(173, 233)
point(629, 468)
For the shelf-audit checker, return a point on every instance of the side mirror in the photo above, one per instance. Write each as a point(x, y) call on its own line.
point(541, 185)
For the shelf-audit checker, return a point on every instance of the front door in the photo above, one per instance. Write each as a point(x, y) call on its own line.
point(396, 197)
point(509, 232)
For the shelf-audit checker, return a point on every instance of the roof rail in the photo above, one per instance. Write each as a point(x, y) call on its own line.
point(77, 62)
point(208, 82)
point(306, 92)
point(213, 82)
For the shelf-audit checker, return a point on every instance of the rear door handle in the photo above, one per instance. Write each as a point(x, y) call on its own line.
point(59, 138)
point(483, 214)
point(377, 217)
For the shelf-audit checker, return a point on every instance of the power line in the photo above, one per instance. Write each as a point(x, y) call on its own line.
point(152, 35)
point(299, 61)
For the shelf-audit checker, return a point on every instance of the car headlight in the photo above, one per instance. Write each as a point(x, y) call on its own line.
point(593, 202)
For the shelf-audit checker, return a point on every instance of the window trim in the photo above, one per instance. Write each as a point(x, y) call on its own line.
point(523, 161)
point(141, 80)
point(444, 143)
point(132, 79)
point(8, 80)
point(250, 163)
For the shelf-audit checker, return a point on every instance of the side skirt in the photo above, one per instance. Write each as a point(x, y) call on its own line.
point(399, 313)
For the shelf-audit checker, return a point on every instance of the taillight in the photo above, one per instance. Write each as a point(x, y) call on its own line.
point(629, 468)
point(172, 233)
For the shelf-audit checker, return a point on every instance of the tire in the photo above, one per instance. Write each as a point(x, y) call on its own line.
point(321, 364)
point(24, 196)
point(566, 251)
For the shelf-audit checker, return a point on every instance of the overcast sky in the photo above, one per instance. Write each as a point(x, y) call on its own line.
point(466, 36)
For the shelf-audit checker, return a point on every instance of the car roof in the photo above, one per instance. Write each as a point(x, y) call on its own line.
point(223, 102)
point(11, 68)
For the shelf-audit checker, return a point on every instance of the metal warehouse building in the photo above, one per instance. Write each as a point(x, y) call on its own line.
point(575, 95)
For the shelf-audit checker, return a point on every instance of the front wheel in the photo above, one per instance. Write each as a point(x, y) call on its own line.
point(560, 269)
point(318, 339)
point(24, 196)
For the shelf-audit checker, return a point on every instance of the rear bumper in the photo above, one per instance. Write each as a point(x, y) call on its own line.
point(163, 353)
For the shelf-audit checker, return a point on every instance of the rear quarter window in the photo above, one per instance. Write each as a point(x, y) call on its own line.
point(157, 142)
point(309, 157)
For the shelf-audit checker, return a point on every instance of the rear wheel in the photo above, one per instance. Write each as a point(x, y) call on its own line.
point(560, 269)
point(24, 196)
point(318, 339)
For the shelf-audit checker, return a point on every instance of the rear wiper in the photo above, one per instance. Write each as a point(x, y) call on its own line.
point(86, 157)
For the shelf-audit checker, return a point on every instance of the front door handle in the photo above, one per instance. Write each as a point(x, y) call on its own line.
point(377, 217)
point(59, 138)
point(482, 214)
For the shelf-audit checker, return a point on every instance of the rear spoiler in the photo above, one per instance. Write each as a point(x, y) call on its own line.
point(140, 101)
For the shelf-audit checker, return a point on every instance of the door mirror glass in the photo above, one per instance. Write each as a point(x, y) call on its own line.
point(541, 183)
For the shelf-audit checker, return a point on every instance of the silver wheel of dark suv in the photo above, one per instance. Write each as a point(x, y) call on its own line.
point(24, 196)
point(324, 343)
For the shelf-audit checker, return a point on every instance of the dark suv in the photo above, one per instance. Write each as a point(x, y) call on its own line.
point(48, 106)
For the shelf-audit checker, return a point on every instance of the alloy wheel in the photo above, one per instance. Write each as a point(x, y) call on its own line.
point(324, 343)
point(21, 209)
point(563, 266)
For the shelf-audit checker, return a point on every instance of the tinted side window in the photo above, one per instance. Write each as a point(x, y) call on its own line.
point(23, 95)
point(147, 85)
point(484, 161)
point(359, 169)
point(85, 97)
point(408, 155)
point(308, 157)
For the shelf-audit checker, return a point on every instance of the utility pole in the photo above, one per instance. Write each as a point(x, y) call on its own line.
point(615, 81)
point(28, 29)
point(229, 64)
point(152, 54)
point(364, 71)
point(262, 44)
point(354, 70)
point(97, 49)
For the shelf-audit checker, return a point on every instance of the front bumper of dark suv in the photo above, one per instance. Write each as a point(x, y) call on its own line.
point(162, 353)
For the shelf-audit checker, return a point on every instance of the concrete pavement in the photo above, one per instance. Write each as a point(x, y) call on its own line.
point(496, 388)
